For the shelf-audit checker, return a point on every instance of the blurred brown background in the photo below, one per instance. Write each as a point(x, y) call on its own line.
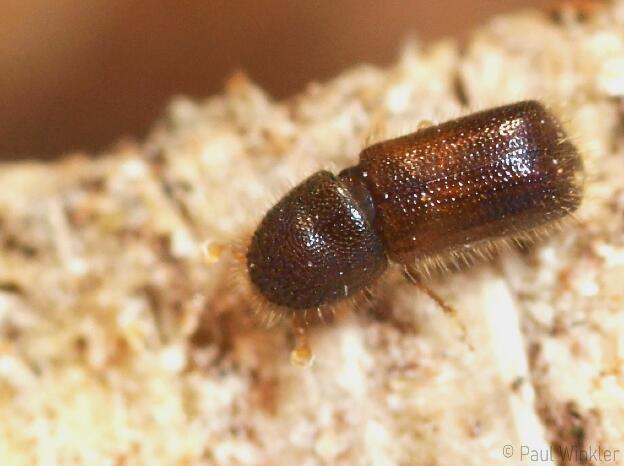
point(80, 74)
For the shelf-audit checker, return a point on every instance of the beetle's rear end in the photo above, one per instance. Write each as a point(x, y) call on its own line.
point(499, 173)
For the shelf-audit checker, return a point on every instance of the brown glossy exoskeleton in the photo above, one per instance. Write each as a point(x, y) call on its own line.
point(424, 199)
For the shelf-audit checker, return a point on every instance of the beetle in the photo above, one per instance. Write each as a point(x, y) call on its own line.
point(426, 200)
